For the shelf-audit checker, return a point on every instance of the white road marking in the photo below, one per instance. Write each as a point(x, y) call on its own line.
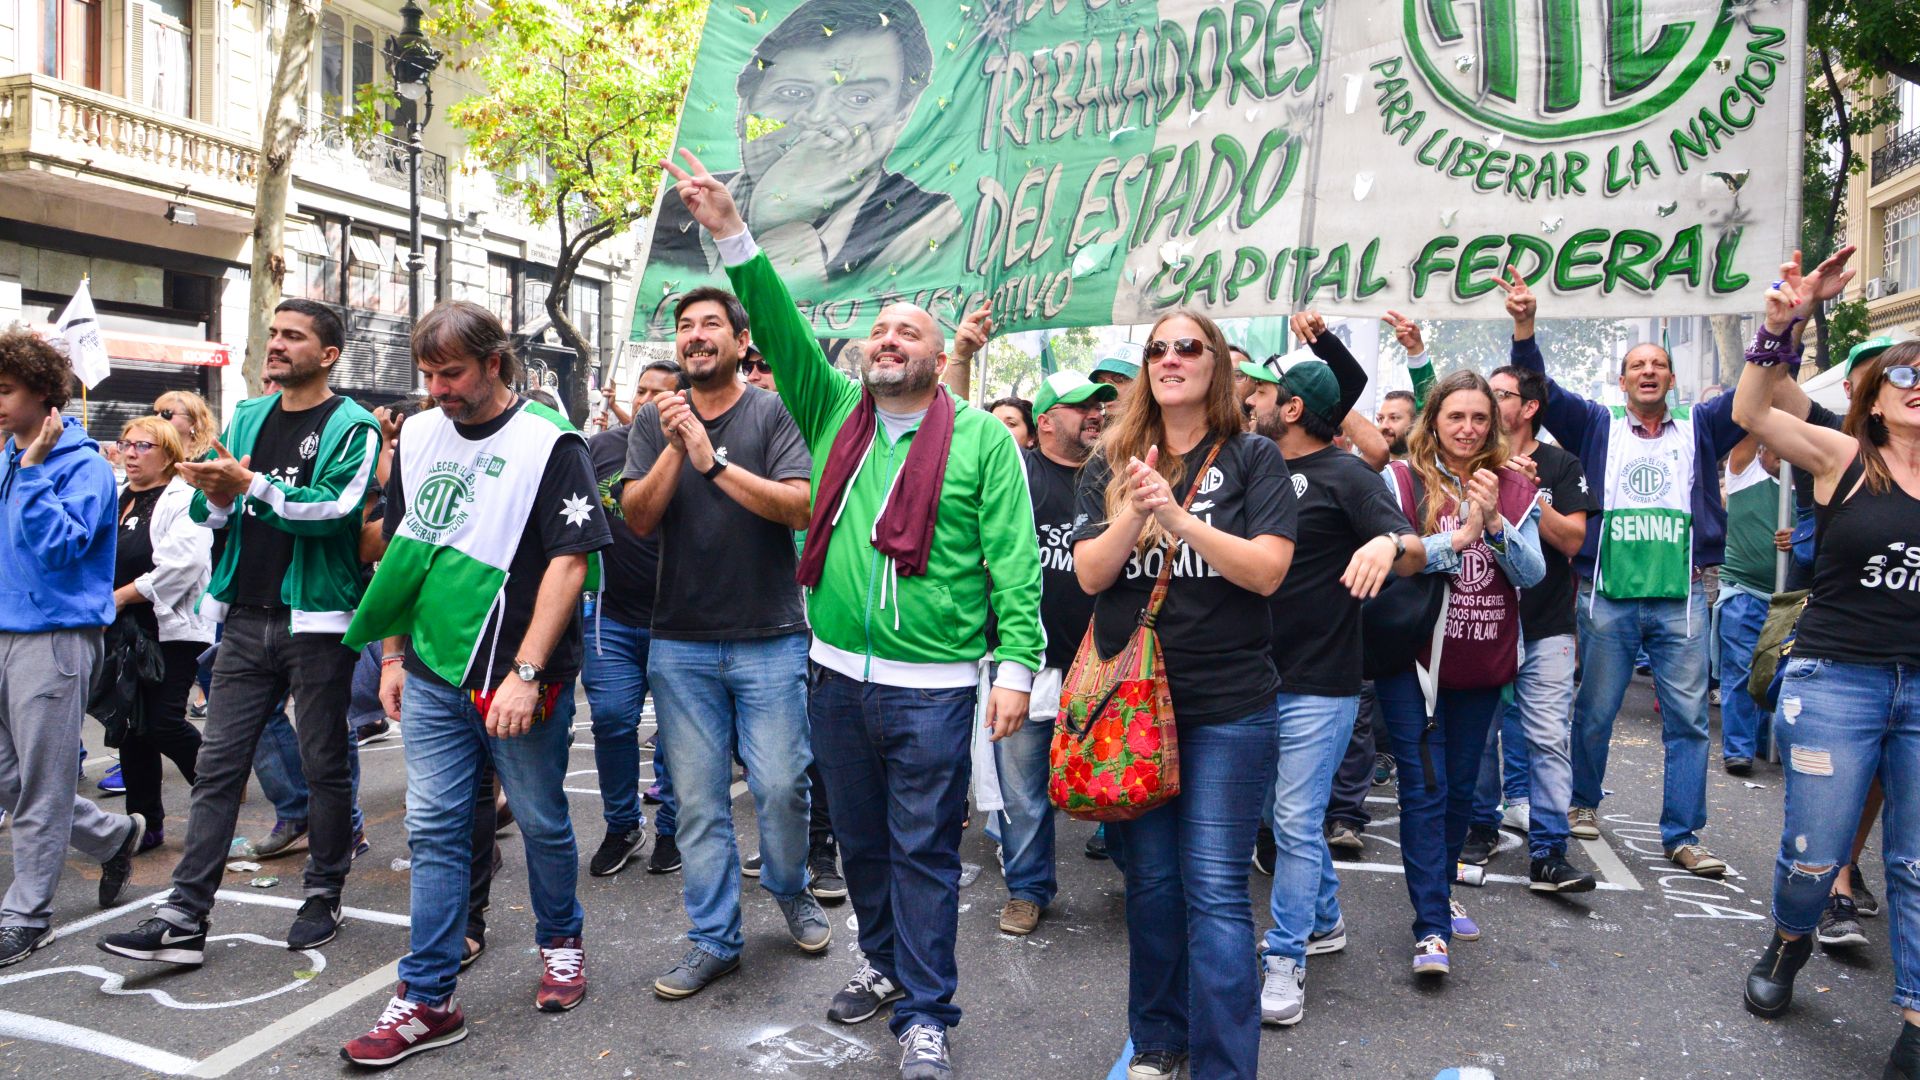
point(108, 915)
point(112, 982)
point(1505, 879)
point(15, 1025)
point(222, 1062)
point(1609, 864)
point(363, 914)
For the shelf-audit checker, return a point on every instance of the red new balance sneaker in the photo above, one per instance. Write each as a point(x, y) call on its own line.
point(405, 1028)
point(563, 982)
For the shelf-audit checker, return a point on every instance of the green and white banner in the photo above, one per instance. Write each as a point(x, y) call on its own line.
point(1093, 162)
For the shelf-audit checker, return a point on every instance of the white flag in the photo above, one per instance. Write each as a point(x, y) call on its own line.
point(81, 329)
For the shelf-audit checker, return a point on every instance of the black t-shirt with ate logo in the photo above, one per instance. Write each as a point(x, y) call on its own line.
point(285, 449)
point(1065, 608)
point(1316, 619)
point(1546, 610)
point(1214, 635)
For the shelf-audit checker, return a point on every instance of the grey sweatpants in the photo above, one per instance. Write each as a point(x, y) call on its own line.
point(44, 680)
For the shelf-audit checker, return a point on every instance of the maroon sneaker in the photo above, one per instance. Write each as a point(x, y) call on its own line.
point(563, 982)
point(405, 1028)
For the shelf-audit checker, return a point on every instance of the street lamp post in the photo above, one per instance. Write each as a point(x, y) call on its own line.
point(412, 59)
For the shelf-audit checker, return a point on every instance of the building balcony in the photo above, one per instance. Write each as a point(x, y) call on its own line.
point(69, 141)
point(324, 142)
point(1899, 154)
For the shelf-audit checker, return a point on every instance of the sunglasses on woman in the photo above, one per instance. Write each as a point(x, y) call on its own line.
point(1904, 376)
point(1187, 347)
point(142, 446)
point(164, 414)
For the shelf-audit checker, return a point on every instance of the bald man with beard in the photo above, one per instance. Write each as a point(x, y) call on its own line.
point(921, 523)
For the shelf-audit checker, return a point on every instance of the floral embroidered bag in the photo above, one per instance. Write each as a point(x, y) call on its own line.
point(1115, 753)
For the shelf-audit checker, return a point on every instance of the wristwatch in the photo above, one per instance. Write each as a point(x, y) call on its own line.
point(527, 672)
point(1399, 545)
point(719, 465)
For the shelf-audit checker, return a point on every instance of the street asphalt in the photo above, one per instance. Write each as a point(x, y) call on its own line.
point(1638, 979)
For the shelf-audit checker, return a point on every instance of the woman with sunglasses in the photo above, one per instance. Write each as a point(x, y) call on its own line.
point(1193, 988)
point(161, 566)
point(1850, 697)
point(192, 418)
point(1479, 523)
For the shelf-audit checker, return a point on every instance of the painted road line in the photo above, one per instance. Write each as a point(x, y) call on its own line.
point(362, 914)
point(1119, 1070)
point(1609, 864)
point(15, 1025)
point(112, 982)
point(222, 1062)
point(108, 915)
point(1504, 879)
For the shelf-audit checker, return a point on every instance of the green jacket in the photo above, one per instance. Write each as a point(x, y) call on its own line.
point(895, 629)
point(325, 580)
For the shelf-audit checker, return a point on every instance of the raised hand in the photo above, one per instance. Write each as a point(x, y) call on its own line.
point(1483, 491)
point(707, 199)
point(1827, 280)
point(1150, 495)
point(1308, 325)
point(974, 332)
point(1406, 332)
point(673, 415)
point(1522, 305)
point(223, 479)
point(44, 440)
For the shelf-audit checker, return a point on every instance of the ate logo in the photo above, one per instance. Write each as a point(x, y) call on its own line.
point(1647, 480)
point(1563, 69)
point(440, 504)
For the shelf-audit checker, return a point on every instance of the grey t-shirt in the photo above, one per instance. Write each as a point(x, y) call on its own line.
point(725, 571)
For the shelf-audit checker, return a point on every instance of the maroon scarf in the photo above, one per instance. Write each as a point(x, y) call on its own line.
point(904, 532)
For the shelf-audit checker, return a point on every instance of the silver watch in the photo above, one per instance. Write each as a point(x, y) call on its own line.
point(527, 672)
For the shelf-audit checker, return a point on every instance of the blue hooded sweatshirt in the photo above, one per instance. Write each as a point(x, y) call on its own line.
point(56, 559)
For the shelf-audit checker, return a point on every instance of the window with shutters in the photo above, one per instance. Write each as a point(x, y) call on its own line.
point(1902, 243)
point(314, 253)
point(333, 58)
point(167, 52)
point(207, 91)
point(61, 38)
point(583, 308)
point(362, 64)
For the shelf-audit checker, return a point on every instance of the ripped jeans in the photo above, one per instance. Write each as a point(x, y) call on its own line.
point(1840, 724)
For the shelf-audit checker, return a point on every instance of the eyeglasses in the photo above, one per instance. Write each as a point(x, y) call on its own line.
point(142, 446)
point(756, 366)
point(1187, 347)
point(164, 414)
point(1904, 376)
point(1502, 395)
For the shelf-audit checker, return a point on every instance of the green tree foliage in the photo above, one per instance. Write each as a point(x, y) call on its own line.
point(1013, 362)
point(581, 101)
point(1578, 351)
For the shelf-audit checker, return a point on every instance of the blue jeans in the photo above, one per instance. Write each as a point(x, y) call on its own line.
point(1841, 725)
point(710, 695)
point(446, 747)
point(614, 674)
point(1313, 735)
point(276, 765)
point(1026, 832)
point(1537, 738)
point(1191, 987)
point(1742, 617)
point(896, 764)
point(1434, 813)
point(1674, 635)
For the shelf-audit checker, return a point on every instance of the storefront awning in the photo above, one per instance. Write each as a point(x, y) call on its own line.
point(155, 349)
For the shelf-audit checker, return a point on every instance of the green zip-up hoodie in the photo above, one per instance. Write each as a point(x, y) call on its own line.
point(324, 581)
point(869, 623)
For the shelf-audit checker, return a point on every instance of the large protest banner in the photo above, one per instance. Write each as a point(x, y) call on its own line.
point(1093, 162)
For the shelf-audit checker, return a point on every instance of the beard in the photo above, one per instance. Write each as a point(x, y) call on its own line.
point(1398, 447)
point(458, 408)
point(910, 378)
point(297, 373)
point(1270, 425)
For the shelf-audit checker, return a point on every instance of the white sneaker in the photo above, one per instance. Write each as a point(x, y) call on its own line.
point(1516, 816)
point(1283, 994)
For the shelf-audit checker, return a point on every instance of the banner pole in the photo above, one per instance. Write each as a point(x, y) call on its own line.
point(1310, 205)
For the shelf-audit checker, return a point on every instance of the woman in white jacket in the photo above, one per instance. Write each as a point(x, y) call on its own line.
point(161, 567)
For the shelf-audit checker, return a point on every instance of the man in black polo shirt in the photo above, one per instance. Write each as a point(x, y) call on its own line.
point(1352, 534)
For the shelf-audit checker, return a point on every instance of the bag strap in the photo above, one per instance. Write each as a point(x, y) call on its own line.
point(1152, 611)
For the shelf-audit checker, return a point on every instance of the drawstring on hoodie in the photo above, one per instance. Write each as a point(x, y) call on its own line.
point(892, 577)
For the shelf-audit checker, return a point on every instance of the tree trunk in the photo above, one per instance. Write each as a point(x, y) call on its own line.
point(280, 135)
point(1726, 342)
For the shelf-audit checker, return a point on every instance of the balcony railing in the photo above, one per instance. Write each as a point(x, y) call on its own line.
point(383, 156)
point(46, 118)
point(1900, 153)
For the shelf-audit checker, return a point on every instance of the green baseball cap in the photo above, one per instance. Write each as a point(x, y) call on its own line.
point(1117, 364)
point(1070, 388)
point(1315, 384)
point(1262, 372)
point(1874, 346)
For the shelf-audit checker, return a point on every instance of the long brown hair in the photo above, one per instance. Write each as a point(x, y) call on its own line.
point(1423, 442)
point(1871, 432)
point(1142, 425)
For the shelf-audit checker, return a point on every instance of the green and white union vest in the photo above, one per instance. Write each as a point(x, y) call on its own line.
point(467, 504)
point(1646, 528)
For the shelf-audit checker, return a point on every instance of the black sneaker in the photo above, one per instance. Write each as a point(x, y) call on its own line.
point(823, 874)
point(750, 866)
point(1555, 874)
point(1739, 766)
point(1264, 851)
point(1864, 902)
point(1482, 842)
point(115, 871)
point(1840, 924)
point(864, 995)
point(375, 732)
point(1097, 843)
point(1383, 769)
point(666, 856)
point(616, 851)
point(160, 941)
point(317, 923)
point(19, 942)
point(1155, 1065)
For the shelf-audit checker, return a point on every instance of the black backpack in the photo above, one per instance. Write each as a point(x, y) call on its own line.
point(1398, 622)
